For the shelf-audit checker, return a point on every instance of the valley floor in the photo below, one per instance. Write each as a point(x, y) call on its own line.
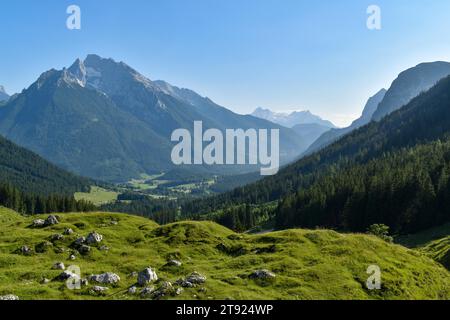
point(302, 264)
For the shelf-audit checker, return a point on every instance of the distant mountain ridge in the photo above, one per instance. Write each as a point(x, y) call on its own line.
point(307, 125)
point(103, 119)
point(291, 119)
point(409, 84)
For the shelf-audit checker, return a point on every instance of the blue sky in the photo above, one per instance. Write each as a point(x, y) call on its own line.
point(280, 54)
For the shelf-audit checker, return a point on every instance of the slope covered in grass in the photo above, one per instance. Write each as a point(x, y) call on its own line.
point(316, 264)
point(439, 250)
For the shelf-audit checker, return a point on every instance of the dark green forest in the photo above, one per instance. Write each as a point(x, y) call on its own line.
point(408, 190)
point(32, 174)
point(11, 197)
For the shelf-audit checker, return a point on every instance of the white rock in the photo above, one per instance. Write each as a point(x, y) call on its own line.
point(38, 223)
point(108, 277)
point(94, 237)
point(146, 276)
point(262, 274)
point(51, 220)
point(59, 266)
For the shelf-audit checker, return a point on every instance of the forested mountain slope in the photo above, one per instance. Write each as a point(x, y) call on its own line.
point(425, 119)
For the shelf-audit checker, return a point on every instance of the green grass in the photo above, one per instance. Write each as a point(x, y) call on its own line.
point(434, 242)
point(97, 196)
point(317, 264)
point(439, 250)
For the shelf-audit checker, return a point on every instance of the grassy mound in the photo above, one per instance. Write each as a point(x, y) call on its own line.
point(316, 264)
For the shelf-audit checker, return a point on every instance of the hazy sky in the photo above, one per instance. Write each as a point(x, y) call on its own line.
point(279, 54)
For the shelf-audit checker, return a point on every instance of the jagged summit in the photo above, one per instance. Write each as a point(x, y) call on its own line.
point(3, 95)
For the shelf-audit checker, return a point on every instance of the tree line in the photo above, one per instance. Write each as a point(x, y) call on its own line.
point(12, 198)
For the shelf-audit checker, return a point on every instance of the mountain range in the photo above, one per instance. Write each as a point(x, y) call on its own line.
point(307, 125)
point(291, 119)
point(103, 119)
point(408, 85)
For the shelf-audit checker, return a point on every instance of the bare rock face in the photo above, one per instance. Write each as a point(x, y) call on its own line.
point(105, 278)
point(146, 276)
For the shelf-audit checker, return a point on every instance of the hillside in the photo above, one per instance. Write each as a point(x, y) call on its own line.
point(307, 264)
point(130, 116)
point(32, 174)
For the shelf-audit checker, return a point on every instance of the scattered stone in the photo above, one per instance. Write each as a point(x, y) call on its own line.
point(43, 247)
point(38, 223)
point(146, 276)
point(45, 281)
point(104, 248)
point(165, 289)
point(59, 266)
point(134, 274)
point(132, 290)
point(114, 222)
point(60, 250)
point(84, 282)
point(84, 249)
point(262, 274)
point(79, 241)
point(25, 250)
point(203, 290)
point(147, 291)
point(174, 263)
point(179, 291)
point(72, 257)
point(98, 290)
point(51, 220)
point(94, 238)
point(65, 275)
point(68, 231)
point(108, 277)
point(184, 283)
point(57, 237)
point(9, 297)
point(196, 278)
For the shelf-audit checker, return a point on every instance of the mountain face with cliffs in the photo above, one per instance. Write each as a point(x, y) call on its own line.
point(103, 119)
